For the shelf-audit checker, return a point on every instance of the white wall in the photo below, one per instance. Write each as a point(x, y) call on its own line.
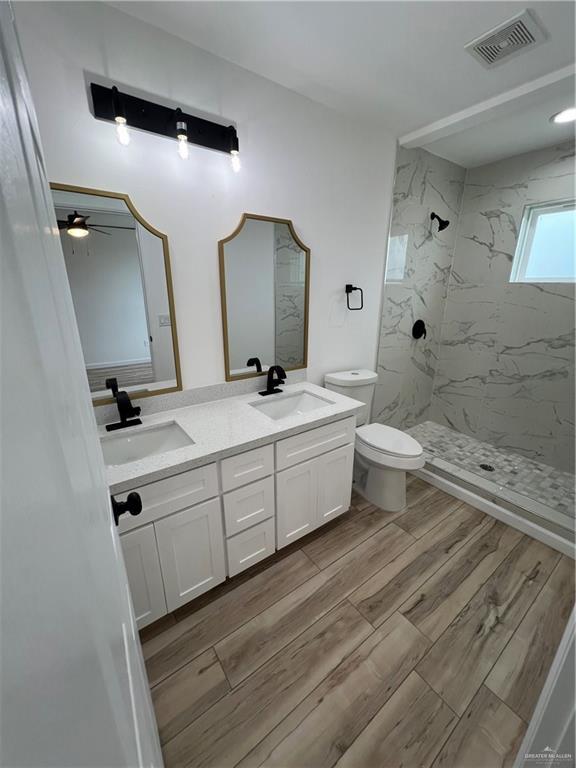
point(249, 262)
point(300, 161)
point(106, 284)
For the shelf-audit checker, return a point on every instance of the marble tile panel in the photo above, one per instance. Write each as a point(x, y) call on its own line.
point(424, 183)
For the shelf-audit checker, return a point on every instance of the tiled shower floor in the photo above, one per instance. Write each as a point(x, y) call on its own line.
point(531, 479)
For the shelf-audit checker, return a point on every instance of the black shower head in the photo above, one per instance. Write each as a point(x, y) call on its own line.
point(442, 223)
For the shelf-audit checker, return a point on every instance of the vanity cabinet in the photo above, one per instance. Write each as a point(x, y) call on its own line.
point(313, 493)
point(191, 549)
point(144, 575)
point(200, 526)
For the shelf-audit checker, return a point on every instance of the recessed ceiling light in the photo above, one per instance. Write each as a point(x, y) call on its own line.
point(566, 116)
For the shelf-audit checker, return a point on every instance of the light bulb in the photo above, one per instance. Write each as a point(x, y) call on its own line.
point(77, 232)
point(122, 133)
point(235, 161)
point(566, 116)
point(183, 150)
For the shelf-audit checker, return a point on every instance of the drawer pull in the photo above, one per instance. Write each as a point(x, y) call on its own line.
point(302, 528)
point(250, 468)
point(251, 514)
point(254, 554)
point(315, 445)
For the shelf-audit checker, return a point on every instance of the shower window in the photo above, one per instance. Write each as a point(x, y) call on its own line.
point(396, 261)
point(545, 250)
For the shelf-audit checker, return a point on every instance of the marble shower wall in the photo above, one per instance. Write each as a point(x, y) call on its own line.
point(505, 367)
point(416, 284)
point(290, 287)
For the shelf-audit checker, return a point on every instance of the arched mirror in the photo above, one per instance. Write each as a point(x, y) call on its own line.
point(264, 281)
point(118, 267)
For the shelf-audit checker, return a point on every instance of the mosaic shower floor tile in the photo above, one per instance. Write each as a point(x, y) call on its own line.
point(537, 481)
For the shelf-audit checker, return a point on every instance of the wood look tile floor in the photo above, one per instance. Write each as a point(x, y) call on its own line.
point(414, 639)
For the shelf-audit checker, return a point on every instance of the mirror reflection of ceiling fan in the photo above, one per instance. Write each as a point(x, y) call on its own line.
point(76, 225)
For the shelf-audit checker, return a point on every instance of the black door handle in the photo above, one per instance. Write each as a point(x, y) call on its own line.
point(133, 504)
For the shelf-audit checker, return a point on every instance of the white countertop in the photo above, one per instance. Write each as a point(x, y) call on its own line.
point(223, 428)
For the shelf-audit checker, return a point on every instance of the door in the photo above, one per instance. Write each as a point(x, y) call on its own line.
point(191, 547)
point(334, 483)
point(73, 690)
point(144, 575)
point(296, 504)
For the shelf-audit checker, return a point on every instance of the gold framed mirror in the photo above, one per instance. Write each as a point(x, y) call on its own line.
point(118, 268)
point(265, 293)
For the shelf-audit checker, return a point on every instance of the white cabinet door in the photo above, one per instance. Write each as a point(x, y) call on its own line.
point(191, 547)
point(144, 575)
point(296, 503)
point(334, 483)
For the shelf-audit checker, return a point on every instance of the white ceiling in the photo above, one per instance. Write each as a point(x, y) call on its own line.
point(402, 62)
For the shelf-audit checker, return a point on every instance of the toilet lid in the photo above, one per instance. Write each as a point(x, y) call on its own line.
point(389, 440)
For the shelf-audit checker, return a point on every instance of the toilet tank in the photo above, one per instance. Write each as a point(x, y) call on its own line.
point(359, 384)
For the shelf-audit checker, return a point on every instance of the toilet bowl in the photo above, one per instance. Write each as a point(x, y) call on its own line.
point(382, 454)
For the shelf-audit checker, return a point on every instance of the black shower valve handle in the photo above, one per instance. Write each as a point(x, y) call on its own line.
point(419, 330)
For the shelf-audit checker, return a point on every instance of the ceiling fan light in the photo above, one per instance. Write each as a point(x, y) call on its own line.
point(77, 226)
point(78, 231)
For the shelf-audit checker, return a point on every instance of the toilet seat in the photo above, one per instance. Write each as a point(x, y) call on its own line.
point(389, 447)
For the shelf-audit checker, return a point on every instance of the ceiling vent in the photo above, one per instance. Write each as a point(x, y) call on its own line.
point(514, 36)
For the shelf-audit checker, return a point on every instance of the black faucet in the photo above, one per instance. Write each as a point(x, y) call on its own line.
point(255, 361)
point(125, 408)
point(271, 388)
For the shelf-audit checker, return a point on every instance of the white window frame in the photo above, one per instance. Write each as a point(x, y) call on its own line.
point(530, 217)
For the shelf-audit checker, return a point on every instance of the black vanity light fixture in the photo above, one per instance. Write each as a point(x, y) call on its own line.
point(127, 112)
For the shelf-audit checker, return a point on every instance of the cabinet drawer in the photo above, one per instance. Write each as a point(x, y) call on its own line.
point(309, 444)
point(249, 505)
point(191, 548)
point(171, 495)
point(251, 546)
point(247, 467)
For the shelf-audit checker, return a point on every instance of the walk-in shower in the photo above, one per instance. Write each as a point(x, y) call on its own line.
point(489, 391)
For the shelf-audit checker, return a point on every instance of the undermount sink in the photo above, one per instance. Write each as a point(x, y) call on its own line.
point(147, 441)
point(278, 407)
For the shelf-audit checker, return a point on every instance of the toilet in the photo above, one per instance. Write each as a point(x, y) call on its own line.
point(382, 454)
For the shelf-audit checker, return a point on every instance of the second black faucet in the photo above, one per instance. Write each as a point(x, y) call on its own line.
point(272, 381)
